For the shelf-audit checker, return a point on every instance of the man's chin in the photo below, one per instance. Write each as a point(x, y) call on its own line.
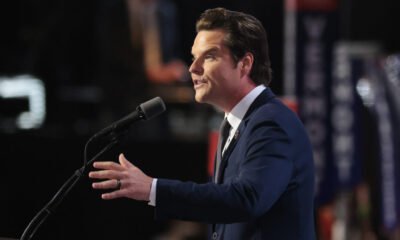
point(199, 98)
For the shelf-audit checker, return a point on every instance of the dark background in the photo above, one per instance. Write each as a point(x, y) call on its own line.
point(79, 50)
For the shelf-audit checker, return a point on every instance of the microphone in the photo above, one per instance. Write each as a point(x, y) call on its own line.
point(144, 111)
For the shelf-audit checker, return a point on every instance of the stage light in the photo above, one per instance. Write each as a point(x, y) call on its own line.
point(32, 89)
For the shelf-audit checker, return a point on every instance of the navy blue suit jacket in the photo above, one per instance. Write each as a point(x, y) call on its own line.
point(266, 184)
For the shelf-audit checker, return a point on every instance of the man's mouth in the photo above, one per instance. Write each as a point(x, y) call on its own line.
point(198, 82)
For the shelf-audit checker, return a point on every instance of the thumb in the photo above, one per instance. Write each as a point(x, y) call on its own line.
point(124, 162)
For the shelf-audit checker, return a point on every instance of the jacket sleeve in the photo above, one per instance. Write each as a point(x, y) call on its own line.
point(263, 176)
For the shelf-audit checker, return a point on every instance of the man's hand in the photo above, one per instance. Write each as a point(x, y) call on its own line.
point(124, 179)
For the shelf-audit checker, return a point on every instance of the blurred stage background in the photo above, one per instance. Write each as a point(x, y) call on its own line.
point(70, 68)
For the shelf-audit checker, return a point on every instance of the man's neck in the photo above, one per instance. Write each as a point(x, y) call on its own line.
point(239, 96)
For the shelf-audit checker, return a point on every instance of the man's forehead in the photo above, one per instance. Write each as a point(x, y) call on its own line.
point(209, 36)
point(207, 41)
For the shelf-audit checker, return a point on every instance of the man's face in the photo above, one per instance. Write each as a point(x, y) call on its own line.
point(215, 76)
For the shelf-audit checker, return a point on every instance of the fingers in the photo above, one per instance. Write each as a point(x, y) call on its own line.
point(106, 174)
point(108, 166)
point(111, 173)
point(113, 195)
point(124, 162)
point(109, 170)
point(108, 184)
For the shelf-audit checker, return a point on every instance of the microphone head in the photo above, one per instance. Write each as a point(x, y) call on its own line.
point(152, 107)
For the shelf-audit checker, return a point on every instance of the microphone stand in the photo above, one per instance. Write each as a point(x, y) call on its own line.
point(52, 205)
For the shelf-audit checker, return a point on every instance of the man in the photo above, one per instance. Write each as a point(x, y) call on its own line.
point(264, 177)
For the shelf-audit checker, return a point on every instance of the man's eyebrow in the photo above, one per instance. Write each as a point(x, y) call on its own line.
point(211, 50)
point(208, 51)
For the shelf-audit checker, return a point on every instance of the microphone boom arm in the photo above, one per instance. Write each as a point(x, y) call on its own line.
point(52, 205)
point(144, 111)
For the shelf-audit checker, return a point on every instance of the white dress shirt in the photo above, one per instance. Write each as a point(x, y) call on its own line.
point(234, 117)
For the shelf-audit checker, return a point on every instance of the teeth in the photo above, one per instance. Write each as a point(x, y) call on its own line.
point(198, 81)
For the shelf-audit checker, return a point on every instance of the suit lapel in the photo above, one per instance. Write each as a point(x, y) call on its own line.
point(263, 98)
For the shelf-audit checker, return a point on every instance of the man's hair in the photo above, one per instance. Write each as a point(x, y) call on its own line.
point(244, 34)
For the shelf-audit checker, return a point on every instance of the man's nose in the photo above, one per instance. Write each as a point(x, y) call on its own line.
point(196, 67)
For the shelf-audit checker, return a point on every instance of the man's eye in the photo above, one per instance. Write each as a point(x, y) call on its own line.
point(209, 56)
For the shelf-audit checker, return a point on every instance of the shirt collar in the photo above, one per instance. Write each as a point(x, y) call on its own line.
point(235, 116)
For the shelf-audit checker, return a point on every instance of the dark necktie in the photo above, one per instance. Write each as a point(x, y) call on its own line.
point(223, 136)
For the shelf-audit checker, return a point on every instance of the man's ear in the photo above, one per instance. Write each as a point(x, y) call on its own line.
point(246, 64)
